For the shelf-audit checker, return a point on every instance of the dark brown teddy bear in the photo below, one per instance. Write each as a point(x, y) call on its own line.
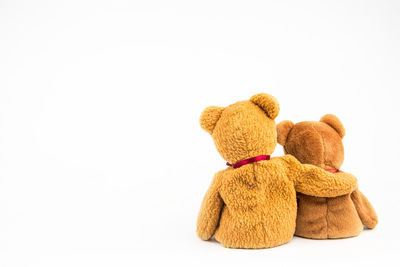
point(320, 144)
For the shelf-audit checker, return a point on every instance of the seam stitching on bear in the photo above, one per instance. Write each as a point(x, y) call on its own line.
point(326, 217)
point(323, 144)
point(326, 200)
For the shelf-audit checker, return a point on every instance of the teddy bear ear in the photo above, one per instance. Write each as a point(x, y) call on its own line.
point(209, 118)
point(268, 103)
point(283, 129)
point(335, 123)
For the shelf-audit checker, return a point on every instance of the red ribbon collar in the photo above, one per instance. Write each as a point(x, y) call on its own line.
point(248, 161)
point(332, 170)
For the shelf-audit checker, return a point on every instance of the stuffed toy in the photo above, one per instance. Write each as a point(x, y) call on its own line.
point(320, 144)
point(252, 203)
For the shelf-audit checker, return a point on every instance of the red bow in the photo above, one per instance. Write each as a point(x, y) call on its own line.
point(247, 161)
point(332, 170)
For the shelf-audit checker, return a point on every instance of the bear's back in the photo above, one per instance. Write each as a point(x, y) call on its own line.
point(327, 218)
point(260, 206)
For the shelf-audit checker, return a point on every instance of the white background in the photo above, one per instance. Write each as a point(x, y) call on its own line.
point(103, 161)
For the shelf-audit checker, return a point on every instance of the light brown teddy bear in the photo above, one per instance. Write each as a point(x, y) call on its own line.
point(320, 144)
point(252, 203)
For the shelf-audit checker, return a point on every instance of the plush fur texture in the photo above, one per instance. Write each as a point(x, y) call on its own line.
point(320, 144)
point(254, 206)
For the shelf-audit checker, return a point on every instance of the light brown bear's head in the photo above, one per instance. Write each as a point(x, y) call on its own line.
point(311, 142)
point(243, 130)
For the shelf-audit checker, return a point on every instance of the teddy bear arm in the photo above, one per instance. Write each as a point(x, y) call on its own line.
point(208, 219)
point(317, 182)
point(365, 210)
